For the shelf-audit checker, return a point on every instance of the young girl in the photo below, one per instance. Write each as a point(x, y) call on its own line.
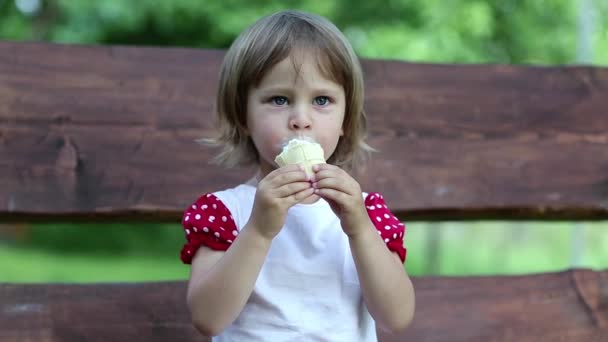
point(292, 256)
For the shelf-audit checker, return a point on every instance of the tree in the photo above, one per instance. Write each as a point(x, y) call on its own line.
point(458, 31)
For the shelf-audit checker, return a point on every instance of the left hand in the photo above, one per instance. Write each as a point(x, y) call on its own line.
point(343, 193)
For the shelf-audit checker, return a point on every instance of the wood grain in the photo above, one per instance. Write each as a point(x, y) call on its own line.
point(565, 306)
point(108, 132)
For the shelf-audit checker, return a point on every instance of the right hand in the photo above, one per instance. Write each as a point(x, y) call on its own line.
point(277, 192)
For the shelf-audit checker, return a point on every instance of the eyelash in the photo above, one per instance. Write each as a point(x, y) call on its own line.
point(274, 98)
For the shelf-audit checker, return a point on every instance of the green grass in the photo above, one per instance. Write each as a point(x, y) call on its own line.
point(94, 253)
point(486, 248)
point(31, 265)
point(128, 253)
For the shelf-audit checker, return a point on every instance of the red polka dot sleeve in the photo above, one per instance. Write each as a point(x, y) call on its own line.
point(207, 222)
point(389, 227)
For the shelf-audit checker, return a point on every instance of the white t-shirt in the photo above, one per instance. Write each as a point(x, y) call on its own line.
point(307, 288)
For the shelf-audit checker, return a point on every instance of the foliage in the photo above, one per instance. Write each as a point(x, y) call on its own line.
point(457, 31)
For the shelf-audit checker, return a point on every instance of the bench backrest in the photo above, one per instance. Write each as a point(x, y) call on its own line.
point(99, 133)
point(109, 132)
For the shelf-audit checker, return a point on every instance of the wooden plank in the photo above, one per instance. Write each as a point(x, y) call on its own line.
point(101, 312)
point(543, 307)
point(565, 306)
point(107, 132)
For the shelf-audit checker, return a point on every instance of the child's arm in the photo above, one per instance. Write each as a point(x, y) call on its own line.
point(221, 282)
point(386, 287)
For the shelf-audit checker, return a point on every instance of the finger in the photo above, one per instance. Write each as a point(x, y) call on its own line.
point(332, 195)
point(331, 183)
point(325, 166)
point(289, 178)
point(327, 174)
point(291, 189)
point(283, 170)
point(346, 185)
point(330, 171)
point(313, 197)
point(286, 177)
point(302, 195)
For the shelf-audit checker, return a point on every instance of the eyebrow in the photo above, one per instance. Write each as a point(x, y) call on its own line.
point(289, 90)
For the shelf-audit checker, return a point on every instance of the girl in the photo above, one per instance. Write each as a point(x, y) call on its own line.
point(290, 256)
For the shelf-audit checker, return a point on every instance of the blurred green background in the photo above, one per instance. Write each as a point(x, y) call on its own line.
point(457, 31)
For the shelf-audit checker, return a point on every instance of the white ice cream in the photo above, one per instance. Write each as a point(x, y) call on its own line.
point(300, 151)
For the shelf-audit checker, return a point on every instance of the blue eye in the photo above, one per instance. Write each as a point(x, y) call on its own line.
point(279, 100)
point(321, 100)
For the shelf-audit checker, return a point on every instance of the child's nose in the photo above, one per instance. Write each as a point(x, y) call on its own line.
point(299, 120)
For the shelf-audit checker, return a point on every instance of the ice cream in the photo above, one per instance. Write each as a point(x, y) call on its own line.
point(301, 151)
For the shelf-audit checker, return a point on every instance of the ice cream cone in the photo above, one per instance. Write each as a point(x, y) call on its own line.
point(299, 151)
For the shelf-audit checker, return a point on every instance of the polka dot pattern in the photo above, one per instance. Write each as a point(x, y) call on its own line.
point(390, 229)
point(207, 222)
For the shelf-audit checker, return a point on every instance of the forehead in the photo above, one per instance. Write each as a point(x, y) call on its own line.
point(303, 67)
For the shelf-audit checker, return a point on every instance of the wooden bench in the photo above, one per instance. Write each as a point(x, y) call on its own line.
point(106, 133)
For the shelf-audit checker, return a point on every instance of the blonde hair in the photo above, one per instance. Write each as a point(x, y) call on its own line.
point(263, 45)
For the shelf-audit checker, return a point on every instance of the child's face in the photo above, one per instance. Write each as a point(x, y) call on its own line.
point(286, 105)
